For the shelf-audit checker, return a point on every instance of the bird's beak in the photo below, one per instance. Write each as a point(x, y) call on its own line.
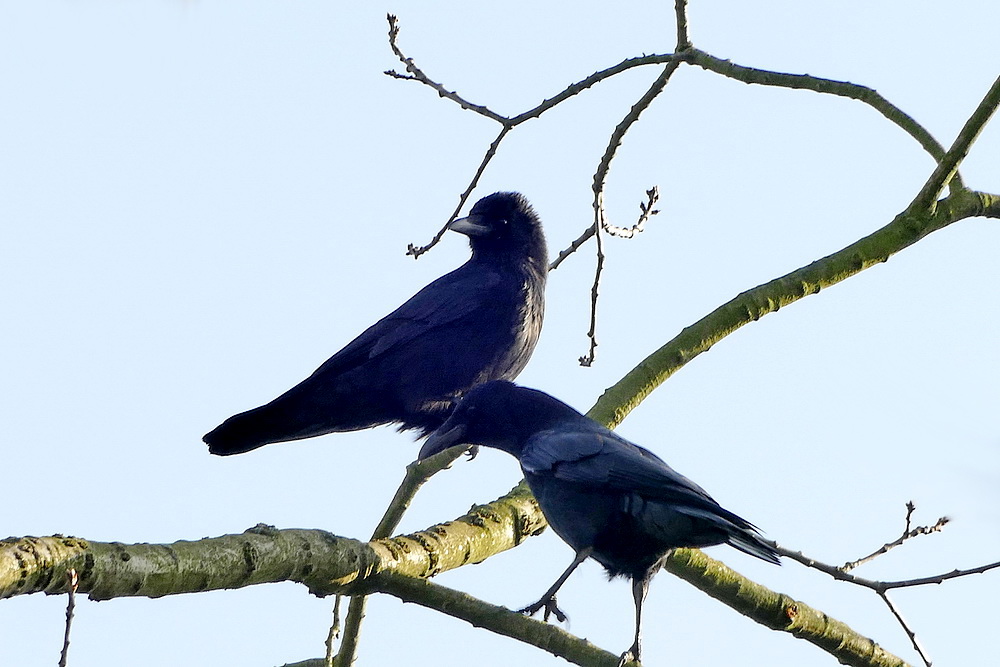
point(441, 440)
point(470, 226)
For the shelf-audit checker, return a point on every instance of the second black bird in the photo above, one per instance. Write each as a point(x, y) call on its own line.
point(478, 323)
point(606, 497)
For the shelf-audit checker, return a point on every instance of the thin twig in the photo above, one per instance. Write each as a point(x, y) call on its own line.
point(417, 74)
point(573, 247)
point(73, 579)
point(348, 652)
point(587, 360)
point(646, 211)
point(878, 586)
point(600, 178)
point(906, 628)
point(907, 534)
point(331, 637)
point(464, 197)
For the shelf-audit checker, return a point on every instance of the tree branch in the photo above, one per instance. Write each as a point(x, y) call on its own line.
point(328, 564)
point(417, 473)
point(500, 620)
point(778, 611)
point(905, 230)
point(947, 167)
point(847, 89)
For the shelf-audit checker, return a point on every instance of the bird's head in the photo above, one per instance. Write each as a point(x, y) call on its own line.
point(499, 414)
point(504, 224)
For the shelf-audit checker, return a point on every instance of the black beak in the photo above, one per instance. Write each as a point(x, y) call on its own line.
point(442, 439)
point(470, 226)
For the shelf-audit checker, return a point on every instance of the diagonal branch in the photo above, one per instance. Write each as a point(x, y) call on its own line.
point(905, 230)
point(947, 168)
point(414, 73)
point(416, 251)
point(778, 611)
point(917, 645)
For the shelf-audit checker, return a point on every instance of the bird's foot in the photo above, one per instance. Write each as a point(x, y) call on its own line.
point(629, 656)
point(472, 452)
point(549, 605)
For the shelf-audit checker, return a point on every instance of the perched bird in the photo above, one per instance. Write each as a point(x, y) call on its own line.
point(478, 323)
point(606, 497)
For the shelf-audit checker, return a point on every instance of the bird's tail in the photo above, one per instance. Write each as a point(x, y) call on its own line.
point(749, 542)
point(243, 433)
point(252, 429)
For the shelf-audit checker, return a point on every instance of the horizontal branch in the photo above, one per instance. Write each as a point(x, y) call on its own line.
point(328, 564)
point(324, 562)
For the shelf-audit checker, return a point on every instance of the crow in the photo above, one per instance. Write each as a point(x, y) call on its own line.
point(478, 323)
point(606, 497)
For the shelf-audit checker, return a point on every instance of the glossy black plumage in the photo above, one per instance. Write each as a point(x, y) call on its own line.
point(606, 497)
point(478, 323)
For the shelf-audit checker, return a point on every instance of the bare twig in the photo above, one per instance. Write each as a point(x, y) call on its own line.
point(907, 534)
point(587, 360)
point(878, 586)
point(573, 247)
point(600, 177)
point(917, 644)
point(331, 637)
point(646, 211)
point(508, 123)
point(464, 197)
point(882, 588)
point(416, 74)
point(348, 652)
point(73, 581)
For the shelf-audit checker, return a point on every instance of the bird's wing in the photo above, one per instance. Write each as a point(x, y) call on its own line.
point(449, 299)
point(602, 459)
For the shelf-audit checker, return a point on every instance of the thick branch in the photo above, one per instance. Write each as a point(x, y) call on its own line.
point(325, 563)
point(329, 564)
point(778, 611)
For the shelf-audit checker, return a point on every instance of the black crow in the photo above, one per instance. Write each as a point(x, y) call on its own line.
point(480, 322)
point(606, 497)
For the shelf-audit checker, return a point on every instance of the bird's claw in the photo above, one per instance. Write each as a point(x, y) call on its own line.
point(632, 654)
point(549, 605)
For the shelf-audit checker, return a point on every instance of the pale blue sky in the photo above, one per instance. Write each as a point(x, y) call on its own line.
point(203, 200)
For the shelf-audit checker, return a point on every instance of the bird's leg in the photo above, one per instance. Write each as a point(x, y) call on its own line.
point(639, 588)
point(548, 601)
